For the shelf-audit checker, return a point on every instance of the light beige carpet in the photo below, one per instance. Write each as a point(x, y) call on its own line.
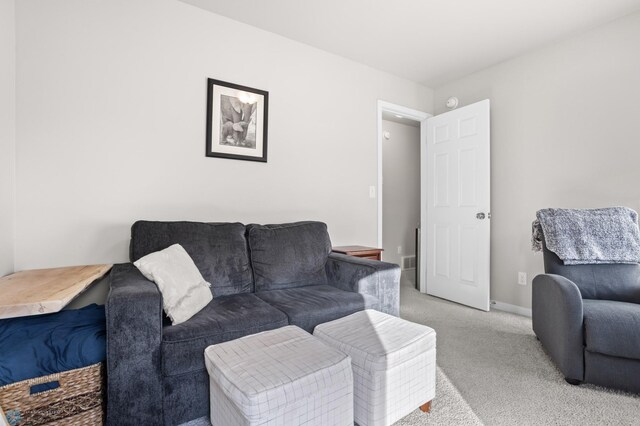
point(448, 407)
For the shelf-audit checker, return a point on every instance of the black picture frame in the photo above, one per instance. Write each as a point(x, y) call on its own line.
point(237, 121)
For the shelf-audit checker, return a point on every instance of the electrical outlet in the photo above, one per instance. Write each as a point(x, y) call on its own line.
point(399, 249)
point(372, 192)
point(522, 278)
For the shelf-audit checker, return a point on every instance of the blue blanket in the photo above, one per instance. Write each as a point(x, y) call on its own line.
point(45, 344)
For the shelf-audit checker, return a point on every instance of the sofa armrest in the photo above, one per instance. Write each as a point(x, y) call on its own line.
point(557, 318)
point(134, 334)
point(372, 277)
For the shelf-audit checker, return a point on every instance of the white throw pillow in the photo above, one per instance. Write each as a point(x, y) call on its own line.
point(184, 291)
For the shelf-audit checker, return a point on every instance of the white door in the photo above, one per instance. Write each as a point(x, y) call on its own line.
point(457, 231)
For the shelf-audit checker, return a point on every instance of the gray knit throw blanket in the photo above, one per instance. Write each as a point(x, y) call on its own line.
point(588, 236)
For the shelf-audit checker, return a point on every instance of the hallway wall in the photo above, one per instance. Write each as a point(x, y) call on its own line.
point(401, 189)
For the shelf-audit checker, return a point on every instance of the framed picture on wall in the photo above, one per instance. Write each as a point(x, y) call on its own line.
point(236, 121)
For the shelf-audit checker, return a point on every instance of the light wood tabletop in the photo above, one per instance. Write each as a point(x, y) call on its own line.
point(43, 291)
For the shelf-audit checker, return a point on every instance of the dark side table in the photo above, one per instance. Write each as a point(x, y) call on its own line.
point(360, 251)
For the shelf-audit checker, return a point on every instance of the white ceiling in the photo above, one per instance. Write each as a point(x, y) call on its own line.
point(427, 41)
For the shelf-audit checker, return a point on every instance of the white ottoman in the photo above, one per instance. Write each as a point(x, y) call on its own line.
point(279, 377)
point(394, 364)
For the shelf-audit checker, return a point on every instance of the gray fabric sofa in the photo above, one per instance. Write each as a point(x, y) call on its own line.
point(587, 318)
point(262, 277)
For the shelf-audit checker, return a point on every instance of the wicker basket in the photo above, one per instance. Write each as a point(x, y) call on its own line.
point(77, 401)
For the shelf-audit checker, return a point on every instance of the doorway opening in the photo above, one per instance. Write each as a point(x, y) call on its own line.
point(401, 143)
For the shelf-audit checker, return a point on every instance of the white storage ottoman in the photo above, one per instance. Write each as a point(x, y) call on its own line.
point(394, 364)
point(279, 377)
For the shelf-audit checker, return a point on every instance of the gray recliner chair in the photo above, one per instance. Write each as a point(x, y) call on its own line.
point(587, 318)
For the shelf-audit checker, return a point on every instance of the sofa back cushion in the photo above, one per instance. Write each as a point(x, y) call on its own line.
point(288, 255)
point(219, 250)
point(611, 281)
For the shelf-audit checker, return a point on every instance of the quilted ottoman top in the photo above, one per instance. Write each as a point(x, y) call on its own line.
point(377, 341)
point(264, 372)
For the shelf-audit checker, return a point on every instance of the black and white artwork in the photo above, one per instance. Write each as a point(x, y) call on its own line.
point(236, 121)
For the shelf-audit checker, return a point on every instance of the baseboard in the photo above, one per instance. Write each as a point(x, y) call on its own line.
point(507, 307)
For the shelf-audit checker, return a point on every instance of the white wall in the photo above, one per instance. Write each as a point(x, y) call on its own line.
point(111, 127)
point(565, 133)
point(401, 190)
point(7, 134)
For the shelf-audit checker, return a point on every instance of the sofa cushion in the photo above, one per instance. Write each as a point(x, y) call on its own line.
point(309, 306)
point(612, 328)
point(219, 250)
point(288, 255)
point(613, 281)
point(224, 318)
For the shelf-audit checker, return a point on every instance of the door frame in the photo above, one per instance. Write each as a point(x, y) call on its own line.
point(420, 116)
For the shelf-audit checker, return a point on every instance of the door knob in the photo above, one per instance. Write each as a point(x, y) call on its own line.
point(480, 216)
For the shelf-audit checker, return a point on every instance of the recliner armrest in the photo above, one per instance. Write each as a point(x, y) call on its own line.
point(557, 318)
point(372, 277)
point(134, 336)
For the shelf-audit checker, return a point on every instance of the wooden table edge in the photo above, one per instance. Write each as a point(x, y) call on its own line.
point(363, 249)
point(52, 306)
